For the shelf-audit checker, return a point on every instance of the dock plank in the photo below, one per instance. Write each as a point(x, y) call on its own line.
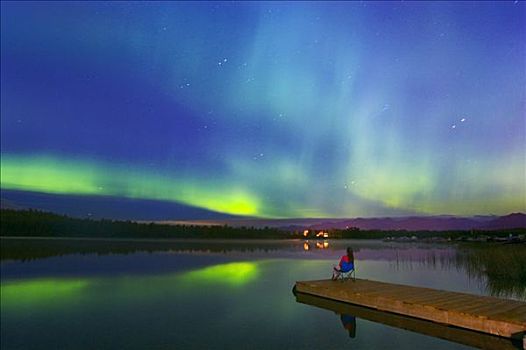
point(458, 335)
point(501, 317)
point(439, 298)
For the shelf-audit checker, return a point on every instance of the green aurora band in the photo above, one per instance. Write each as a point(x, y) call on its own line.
point(53, 175)
point(269, 109)
point(415, 191)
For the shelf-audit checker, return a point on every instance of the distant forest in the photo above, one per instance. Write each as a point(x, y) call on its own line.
point(34, 223)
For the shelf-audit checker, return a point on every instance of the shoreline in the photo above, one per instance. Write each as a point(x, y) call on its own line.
point(255, 240)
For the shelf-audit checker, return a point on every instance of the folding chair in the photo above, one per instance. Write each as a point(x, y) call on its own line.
point(349, 275)
point(344, 276)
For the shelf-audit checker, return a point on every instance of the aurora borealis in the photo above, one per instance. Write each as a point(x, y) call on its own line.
point(269, 109)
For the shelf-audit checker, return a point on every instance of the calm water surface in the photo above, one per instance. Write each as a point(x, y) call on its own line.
point(222, 294)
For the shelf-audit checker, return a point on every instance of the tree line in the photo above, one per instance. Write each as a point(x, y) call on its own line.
point(37, 223)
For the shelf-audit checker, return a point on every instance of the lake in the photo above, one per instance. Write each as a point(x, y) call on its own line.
point(99, 294)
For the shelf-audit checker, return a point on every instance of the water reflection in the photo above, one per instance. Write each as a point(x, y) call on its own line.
point(349, 323)
point(322, 245)
point(318, 245)
point(155, 294)
point(38, 292)
point(235, 274)
point(498, 269)
point(30, 292)
point(349, 313)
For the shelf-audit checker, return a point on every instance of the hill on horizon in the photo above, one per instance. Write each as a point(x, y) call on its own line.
point(409, 223)
point(173, 213)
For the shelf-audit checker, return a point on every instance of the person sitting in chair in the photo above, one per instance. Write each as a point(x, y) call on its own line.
point(346, 264)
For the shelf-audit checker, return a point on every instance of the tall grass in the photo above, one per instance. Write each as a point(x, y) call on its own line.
point(502, 266)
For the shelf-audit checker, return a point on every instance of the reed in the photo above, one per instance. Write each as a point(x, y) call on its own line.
point(503, 267)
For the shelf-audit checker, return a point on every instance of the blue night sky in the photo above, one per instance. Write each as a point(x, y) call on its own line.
point(268, 109)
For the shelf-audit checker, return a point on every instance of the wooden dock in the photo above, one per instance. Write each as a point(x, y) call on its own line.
point(500, 317)
point(454, 334)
